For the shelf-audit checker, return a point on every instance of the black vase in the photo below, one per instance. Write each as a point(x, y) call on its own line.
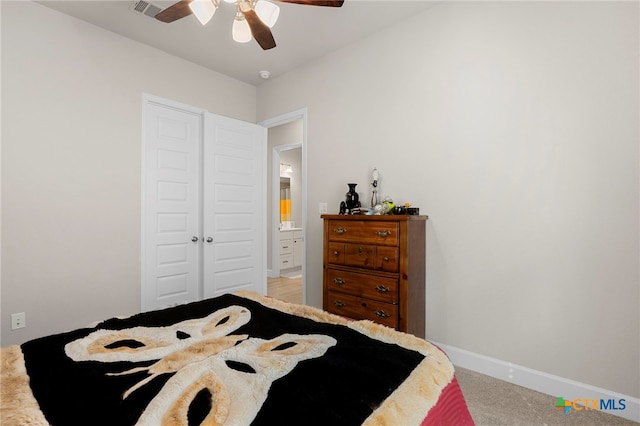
point(352, 199)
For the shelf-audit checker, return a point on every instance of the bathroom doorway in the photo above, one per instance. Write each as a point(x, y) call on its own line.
point(286, 207)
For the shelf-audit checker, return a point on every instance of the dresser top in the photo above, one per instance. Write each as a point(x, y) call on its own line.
point(372, 217)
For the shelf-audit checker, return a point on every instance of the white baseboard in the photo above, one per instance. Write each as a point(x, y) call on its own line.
point(539, 381)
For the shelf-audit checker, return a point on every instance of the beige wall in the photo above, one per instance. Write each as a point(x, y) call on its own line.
point(71, 163)
point(514, 126)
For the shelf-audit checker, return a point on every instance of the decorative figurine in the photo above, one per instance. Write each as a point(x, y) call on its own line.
point(387, 205)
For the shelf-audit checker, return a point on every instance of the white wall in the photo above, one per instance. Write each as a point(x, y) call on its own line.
point(71, 163)
point(514, 126)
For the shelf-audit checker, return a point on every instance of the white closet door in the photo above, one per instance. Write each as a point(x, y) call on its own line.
point(171, 216)
point(234, 207)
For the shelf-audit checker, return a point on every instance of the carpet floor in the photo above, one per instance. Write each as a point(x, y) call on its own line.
point(494, 402)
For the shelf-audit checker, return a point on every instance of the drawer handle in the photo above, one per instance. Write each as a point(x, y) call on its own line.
point(335, 253)
point(338, 303)
point(386, 258)
point(338, 281)
point(382, 314)
point(382, 288)
point(384, 233)
point(285, 246)
point(339, 230)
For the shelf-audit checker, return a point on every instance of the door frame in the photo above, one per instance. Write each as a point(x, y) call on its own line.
point(275, 204)
point(300, 114)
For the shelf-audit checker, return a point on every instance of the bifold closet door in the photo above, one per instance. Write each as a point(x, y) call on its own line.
point(234, 214)
point(171, 207)
point(204, 219)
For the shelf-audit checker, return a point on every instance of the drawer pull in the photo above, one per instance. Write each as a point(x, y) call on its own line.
point(386, 258)
point(338, 303)
point(382, 314)
point(338, 281)
point(339, 230)
point(335, 253)
point(284, 247)
point(384, 233)
point(382, 288)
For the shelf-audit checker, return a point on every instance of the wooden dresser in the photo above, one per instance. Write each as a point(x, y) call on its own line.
point(374, 268)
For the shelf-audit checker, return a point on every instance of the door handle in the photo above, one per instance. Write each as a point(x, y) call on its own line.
point(209, 239)
point(194, 239)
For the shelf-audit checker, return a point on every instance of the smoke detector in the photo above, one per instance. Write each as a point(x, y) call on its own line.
point(145, 8)
point(264, 74)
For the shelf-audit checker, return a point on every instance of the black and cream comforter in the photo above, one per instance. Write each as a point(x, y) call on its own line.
point(232, 360)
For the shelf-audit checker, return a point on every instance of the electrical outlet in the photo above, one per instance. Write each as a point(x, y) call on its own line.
point(18, 320)
point(322, 207)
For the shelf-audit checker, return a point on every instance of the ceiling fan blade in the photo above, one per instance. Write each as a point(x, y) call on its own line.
point(328, 3)
point(174, 12)
point(259, 30)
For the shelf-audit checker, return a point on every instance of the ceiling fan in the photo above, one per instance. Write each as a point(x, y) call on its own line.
point(254, 18)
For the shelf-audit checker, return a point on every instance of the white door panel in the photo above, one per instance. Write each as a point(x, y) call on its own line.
point(234, 206)
point(171, 261)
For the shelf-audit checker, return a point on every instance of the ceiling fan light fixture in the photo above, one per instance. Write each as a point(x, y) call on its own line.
point(257, 16)
point(241, 31)
point(267, 12)
point(203, 9)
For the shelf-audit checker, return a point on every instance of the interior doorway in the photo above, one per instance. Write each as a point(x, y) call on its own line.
point(286, 235)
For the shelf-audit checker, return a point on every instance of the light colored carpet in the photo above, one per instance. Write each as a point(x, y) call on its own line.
point(494, 402)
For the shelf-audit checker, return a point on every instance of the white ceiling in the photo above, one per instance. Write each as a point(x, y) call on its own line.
point(302, 33)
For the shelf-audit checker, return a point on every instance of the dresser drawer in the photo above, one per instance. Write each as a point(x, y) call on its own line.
point(368, 286)
point(359, 308)
point(387, 259)
point(363, 256)
point(369, 232)
point(381, 258)
point(336, 253)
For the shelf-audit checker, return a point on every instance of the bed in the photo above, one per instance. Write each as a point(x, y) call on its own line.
point(236, 359)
